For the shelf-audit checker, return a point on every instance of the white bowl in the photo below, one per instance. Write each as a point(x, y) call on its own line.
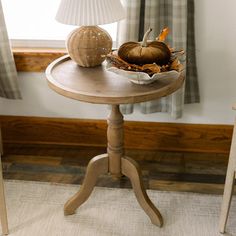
point(141, 77)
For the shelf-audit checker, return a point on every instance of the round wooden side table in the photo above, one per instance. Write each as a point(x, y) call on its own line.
point(96, 85)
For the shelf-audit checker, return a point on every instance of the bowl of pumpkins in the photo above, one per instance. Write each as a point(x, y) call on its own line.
point(147, 61)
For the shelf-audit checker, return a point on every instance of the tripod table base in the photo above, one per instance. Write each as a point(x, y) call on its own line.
point(98, 166)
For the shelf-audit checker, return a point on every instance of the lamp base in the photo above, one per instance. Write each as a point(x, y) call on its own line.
point(89, 45)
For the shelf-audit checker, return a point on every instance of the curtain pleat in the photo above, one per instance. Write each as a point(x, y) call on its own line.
point(178, 15)
point(192, 88)
point(8, 76)
point(129, 27)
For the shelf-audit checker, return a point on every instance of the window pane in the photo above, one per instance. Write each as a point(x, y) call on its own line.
point(34, 19)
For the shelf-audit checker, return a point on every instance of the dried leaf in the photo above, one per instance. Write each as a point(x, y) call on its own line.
point(176, 65)
point(153, 68)
point(165, 68)
point(162, 36)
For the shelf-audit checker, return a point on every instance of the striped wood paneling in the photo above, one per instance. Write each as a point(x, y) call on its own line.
point(138, 135)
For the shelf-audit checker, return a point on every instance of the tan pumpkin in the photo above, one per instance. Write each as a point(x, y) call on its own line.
point(145, 52)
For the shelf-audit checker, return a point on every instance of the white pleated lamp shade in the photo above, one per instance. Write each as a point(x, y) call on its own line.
point(89, 12)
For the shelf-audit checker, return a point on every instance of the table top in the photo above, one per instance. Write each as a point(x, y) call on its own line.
point(97, 85)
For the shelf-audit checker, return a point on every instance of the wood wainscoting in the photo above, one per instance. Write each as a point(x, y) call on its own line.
point(173, 156)
point(175, 137)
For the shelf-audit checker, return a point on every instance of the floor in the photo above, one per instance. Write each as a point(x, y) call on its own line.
point(36, 208)
point(191, 172)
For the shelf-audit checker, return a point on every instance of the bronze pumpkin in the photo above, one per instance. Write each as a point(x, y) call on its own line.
point(145, 52)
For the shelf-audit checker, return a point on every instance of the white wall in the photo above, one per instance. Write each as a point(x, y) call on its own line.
point(216, 58)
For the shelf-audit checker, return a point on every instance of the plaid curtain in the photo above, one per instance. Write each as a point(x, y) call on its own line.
point(178, 15)
point(8, 75)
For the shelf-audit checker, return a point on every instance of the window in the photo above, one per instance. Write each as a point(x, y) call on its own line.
point(31, 23)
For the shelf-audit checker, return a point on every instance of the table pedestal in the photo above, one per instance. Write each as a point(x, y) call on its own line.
point(115, 163)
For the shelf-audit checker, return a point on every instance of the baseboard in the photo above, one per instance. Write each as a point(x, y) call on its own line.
point(138, 135)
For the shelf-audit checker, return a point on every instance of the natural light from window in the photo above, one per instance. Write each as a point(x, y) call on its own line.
point(34, 20)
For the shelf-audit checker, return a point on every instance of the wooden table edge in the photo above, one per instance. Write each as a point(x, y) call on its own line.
point(73, 94)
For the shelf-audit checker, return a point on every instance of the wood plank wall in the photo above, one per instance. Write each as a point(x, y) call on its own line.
point(138, 135)
point(35, 60)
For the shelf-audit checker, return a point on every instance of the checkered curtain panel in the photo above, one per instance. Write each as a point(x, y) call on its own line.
point(8, 75)
point(178, 15)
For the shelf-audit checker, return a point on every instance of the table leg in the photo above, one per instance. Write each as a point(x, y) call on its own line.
point(96, 167)
point(115, 141)
point(131, 169)
point(116, 164)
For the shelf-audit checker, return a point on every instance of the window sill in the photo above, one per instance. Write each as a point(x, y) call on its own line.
point(35, 59)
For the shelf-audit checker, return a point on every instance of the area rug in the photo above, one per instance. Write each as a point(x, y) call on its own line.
point(36, 209)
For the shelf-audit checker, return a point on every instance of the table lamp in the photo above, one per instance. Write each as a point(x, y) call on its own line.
point(89, 44)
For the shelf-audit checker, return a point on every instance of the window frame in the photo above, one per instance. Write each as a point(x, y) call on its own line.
point(33, 55)
point(36, 43)
point(35, 59)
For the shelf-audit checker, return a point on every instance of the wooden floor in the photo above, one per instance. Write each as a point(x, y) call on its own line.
point(170, 171)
